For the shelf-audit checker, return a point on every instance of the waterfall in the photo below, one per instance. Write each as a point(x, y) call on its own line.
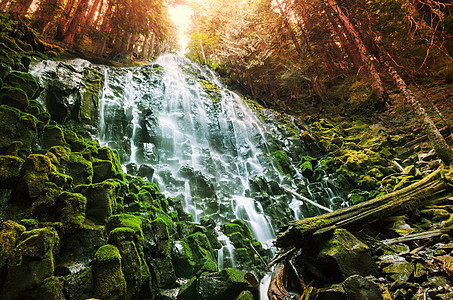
point(205, 144)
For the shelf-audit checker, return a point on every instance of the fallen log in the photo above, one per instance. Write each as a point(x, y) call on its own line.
point(277, 288)
point(302, 232)
point(417, 236)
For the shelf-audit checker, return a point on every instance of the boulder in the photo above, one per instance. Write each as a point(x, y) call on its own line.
point(344, 255)
point(52, 136)
point(10, 167)
point(358, 287)
point(224, 285)
point(24, 81)
point(14, 97)
point(31, 262)
point(146, 170)
point(203, 254)
point(34, 175)
point(18, 132)
point(10, 232)
point(71, 208)
point(101, 200)
point(109, 281)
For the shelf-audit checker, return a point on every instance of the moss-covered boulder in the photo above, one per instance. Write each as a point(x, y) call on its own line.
point(31, 262)
point(51, 289)
point(10, 232)
point(25, 82)
point(344, 255)
point(34, 175)
point(79, 286)
point(71, 208)
point(13, 97)
point(224, 285)
point(203, 254)
point(10, 167)
point(52, 136)
point(18, 131)
point(109, 281)
point(101, 200)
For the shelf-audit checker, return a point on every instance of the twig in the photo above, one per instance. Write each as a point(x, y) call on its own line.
point(280, 256)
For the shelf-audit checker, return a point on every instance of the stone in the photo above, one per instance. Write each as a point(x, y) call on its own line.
point(10, 232)
point(31, 262)
point(334, 292)
point(34, 175)
point(358, 287)
point(146, 170)
point(399, 270)
point(344, 255)
point(52, 136)
point(10, 167)
point(18, 132)
point(14, 97)
point(203, 254)
point(109, 281)
point(224, 285)
point(71, 208)
point(101, 200)
point(24, 81)
point(51, 289)
point(245, 295)
point(102, 170)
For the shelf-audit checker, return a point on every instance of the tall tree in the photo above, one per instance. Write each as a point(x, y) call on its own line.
point(365, 55)
point(18, 8)
point(77, 19)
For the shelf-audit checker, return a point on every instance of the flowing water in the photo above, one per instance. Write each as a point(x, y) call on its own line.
point(205, 146)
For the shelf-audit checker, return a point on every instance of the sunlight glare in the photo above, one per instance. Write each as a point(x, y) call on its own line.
point(180, 15)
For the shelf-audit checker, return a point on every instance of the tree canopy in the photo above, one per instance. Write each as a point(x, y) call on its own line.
point(109, 28)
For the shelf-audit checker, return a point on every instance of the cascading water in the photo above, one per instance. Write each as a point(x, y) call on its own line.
point(202, 144)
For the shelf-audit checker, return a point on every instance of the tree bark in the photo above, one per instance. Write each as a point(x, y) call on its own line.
point(90, 17)
point(18, 9)
point(65, 16)
point(303, 233)
point(277, 290)
point(77, 19)
point(365, 56)
point(3, 5)
point(443, 150)
point(44, 14)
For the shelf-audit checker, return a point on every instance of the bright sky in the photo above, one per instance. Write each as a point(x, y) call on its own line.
point(180, 15)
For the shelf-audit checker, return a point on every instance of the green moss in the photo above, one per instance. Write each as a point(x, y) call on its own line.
point(282, 162)
point(125, 220)
point(312, 223)
point(109, 281)
point(9, 235)
point(14, 97)
point(25, 82)
point(107, 253)
point(71, 208)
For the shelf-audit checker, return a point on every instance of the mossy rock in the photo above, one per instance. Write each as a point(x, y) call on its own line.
point(52, 136)
point(125, 221)
point(31, 262)
point(80, 169)
point(109, 281)
point(203, 254)
point(13, 97)
point(245, 229)
point(10, 232)
point(18, 131)
point(51, 289)
point(282, 162)
point(224, 285)
point(344, 255)
point(71, 208)
point(34, 176)
point(10, 167)
point(182, 259)
point(101, 200)
point(25, 82)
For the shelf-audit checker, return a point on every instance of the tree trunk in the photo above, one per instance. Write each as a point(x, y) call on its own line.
point(3, 5)
point(302, 233)
point(65, 16)
point(364, 54)
point(18, 9)
point(90, 17)
point(277, 290)
point(145, 46)
point(77, 19)
point(44, 14)
point(290, 29)
point(429, 12)
point(443, 150)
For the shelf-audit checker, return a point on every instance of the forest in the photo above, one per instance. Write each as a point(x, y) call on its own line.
point(226, 149)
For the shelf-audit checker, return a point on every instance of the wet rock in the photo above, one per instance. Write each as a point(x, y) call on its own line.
point(146, 170)
point(80, 285)
point(14, 97)
point(10, 232)
point(245, 295)
point(201, 186)
point(18, 132)
point(202, 252)
point(101, 200)
point(34, 175)
point(344, 255)
point(131, 169)
point(358, 287)
point(335, 292)
point(102, 170)
point(226, 284)
point(25, 82)
point(10, 167)
point(71, 208)
point(109, 281)
point(31, 262)
point(397, 268)
point(52, 136)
